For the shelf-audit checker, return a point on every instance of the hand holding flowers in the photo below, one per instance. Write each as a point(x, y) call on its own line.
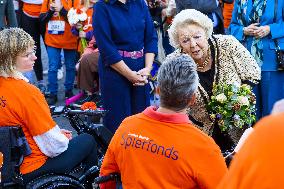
point(232, 105)
point(76, 17)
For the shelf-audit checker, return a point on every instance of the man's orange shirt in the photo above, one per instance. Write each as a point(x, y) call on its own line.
point(65, 40)
point(155, 150)
point(22, 104)
point(259, 163)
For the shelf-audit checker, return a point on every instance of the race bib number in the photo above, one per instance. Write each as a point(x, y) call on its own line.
point(56, 27)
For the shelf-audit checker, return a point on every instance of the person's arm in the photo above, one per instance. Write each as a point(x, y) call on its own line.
point(103, 35)
point(37, 118)
point(89, 35)
point(52, 143)
point(46, 13)
point(132, 76)
point(74, 31)
point(276, 28)
point(108, 51)
point(278, 107)
point(11, 15)
point(150, 43)
point(246, 66)
point(149, 58)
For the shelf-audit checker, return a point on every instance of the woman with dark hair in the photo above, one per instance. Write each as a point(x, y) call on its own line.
point(127, 42)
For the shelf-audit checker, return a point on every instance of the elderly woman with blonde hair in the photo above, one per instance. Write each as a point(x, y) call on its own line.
point(220, 59)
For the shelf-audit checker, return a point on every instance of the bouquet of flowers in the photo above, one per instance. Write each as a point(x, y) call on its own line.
point(76, 16)
point(232, 105)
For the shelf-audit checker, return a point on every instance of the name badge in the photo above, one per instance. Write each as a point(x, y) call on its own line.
point(56, 27)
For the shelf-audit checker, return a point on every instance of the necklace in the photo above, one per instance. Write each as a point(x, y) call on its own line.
point(206, 61)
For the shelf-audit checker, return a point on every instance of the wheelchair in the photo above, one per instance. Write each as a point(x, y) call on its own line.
point(14, 146)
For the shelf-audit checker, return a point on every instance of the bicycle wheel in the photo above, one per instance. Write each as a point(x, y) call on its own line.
point(55, 182)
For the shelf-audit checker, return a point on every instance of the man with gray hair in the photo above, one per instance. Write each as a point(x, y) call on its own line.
point(160, 148)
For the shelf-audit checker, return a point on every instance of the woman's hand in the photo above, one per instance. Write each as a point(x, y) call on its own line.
point(136, 78)
point(145, 71)
point(79, 25)
point(250, 30)
point(67, 133)
point(262, 31)
point(82, 34)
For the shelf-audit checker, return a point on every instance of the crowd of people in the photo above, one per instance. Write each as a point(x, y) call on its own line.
point(200, 43)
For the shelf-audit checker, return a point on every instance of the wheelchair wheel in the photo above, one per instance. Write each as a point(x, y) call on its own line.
point(55, 182)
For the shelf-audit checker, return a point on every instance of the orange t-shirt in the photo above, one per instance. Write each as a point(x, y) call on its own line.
point(259, 163)
point(24, 105)
point(32, 9)
point(65, 40)
point(155, 150)
point(227, 13)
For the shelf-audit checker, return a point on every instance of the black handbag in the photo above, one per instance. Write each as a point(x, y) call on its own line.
point(279, 57)
point(279, 52)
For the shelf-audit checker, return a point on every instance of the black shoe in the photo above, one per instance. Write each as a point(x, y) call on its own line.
point(42, 88)
point(69, 94)
point(52, 99)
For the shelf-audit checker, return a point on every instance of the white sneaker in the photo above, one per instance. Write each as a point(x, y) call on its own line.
point(60, 73)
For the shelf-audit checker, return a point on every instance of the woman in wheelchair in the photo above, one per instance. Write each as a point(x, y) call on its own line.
point(21, 104)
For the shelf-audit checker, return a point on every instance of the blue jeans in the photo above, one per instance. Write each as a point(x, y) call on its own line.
point(54, 63)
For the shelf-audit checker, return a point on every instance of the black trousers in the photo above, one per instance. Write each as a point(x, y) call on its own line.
point(81, 149)
point(33, 27)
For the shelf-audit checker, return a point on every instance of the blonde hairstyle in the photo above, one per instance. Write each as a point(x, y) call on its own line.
point(14, 41)
point(187, 17)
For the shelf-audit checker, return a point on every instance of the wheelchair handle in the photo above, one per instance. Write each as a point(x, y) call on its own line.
point(85, 112)
point(92, 171)
point(102, 179)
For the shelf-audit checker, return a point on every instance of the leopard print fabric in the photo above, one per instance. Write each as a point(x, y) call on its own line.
point(234, 65)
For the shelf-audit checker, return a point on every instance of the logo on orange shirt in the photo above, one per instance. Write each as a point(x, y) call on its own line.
point(147, 144)
point(2, 102)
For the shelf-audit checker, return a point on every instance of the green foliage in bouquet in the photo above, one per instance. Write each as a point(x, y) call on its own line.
point(232, 106)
